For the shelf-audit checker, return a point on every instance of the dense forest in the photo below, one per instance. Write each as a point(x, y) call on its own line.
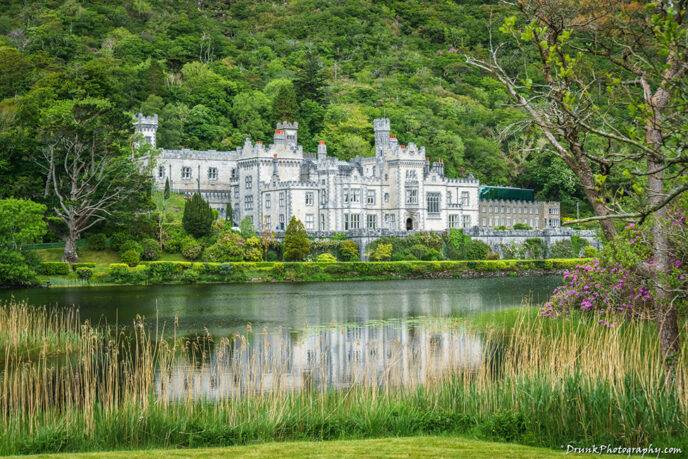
point(218, 71)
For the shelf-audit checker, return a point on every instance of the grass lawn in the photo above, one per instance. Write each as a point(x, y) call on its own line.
point(382, 447)
point(100, 257)
point(85, 255)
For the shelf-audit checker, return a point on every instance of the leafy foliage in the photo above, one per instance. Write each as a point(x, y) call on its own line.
point(246, 228)
point(214, 78)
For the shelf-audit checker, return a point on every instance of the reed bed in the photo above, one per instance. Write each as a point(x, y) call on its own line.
point(26, 330)
point(539, 381)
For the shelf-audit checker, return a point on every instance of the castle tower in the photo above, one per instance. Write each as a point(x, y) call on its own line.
point(322, 150)
point(381, 126)
point(286, 133)
point(147, 126)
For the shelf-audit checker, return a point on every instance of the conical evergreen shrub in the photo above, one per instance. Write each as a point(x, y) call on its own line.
point(296, 243)
point(198, 216)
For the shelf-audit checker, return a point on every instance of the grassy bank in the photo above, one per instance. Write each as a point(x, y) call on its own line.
point(176, 272)
point(537, 382)
point(421, 446)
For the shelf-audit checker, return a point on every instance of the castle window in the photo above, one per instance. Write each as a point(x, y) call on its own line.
point(309, 198)
point(453, 221)
point(281, 221)
point(161, 171)
point(346, 196)
point(323, 197)
point(236, 192)
point(356, 195)
point(390, 221)
point(234, 173)
point(248, 202)
point(186, 173)
point(267, 200)
point(386, 197)
point(411, 196)
point(266, 222)
point(322, 222)
point(466, 221)
point(212, 173)
point(310, 222)
point(449, 196)
point(352, 221)
point(371, 221)
point(465, 198)
point(249, 182)
point(281, 199)
point(433, 203)
point(370, 197)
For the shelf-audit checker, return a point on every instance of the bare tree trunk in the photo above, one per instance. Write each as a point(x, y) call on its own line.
point(70, 254)
point(667, 316)
point(665, 310)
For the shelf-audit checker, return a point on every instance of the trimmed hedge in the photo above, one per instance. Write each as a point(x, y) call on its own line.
point(54, 268)
point(162, 272)
point(76, 266)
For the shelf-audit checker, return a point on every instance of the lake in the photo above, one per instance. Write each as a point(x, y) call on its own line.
point(266, 336)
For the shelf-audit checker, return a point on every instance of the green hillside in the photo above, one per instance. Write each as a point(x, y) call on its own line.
point(218, 71)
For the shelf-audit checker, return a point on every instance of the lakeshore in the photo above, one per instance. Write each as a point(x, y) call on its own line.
point(56, 274)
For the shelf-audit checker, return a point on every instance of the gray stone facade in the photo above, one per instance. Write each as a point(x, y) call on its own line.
point(397, 189)
point(536, 214)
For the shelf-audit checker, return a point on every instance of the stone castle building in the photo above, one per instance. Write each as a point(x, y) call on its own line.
point(398, 189)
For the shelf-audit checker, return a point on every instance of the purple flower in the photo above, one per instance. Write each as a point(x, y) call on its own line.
point(586, 304)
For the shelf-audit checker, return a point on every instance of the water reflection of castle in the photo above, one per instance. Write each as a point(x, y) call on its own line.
point(392, 353)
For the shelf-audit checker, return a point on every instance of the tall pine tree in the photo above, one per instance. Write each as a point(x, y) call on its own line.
point(310, 79)
point(198, 216)
point(284, 105)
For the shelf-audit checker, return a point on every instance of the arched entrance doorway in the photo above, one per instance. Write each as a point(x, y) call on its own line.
point(409, 224)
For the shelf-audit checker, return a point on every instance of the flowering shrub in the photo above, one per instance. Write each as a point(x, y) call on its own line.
point(596, 287)
point(618, 282)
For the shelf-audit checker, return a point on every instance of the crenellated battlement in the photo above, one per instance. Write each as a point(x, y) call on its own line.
point(398, 189)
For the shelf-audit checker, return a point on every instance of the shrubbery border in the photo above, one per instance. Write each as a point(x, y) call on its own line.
point(183, 272)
